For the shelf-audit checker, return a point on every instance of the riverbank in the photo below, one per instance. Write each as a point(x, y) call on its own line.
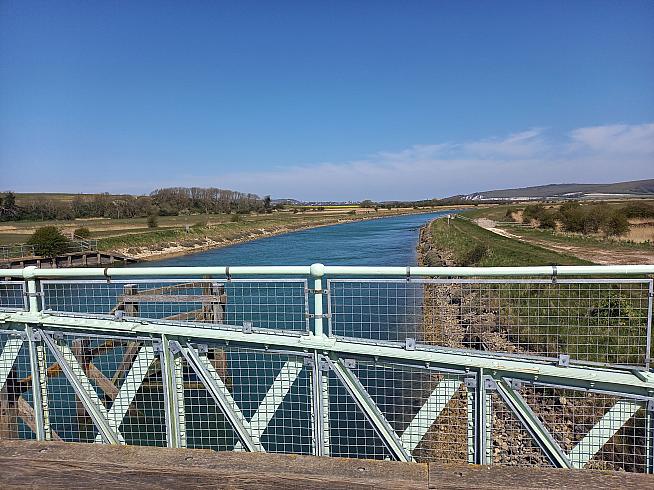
point(163, 244)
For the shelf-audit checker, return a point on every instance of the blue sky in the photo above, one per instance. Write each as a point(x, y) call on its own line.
point(324, 100)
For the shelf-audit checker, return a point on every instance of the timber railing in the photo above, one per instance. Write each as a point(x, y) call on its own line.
point(546, 366)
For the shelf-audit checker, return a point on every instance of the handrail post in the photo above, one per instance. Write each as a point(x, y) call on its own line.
point(317, 271)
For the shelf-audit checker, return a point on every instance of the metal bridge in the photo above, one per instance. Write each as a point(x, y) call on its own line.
point(544, 366)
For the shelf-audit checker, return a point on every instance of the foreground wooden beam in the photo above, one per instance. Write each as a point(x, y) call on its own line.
point(69, 465)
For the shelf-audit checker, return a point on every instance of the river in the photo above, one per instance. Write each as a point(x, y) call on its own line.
point(381, 242)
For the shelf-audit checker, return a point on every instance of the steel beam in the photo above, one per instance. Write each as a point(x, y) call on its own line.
point(129, 388)
point(273, 398)
point(602, 431)
point(221, 395)
point(371, 411)
point(429, 412)
point(83, 388)
point(610, 380)
point(532, 424)
point(8, 358)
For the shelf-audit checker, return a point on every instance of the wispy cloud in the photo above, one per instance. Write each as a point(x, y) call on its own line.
point(531, 157)
point(534, 156)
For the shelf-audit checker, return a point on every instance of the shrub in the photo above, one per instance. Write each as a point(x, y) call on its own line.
point(49, 241)
point(638, 210)
point(82, 232)
point(153, 221)
point(235, 218)
point(533, 212)
point(547, 220)
point(474, 255)
point(509, 215)
point(615, 224)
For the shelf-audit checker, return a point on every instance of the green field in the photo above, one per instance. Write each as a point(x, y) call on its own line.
point(461, 237)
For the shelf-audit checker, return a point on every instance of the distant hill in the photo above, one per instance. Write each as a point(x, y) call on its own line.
point(634, 188)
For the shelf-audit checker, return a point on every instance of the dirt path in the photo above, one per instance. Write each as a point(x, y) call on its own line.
point(598, 255)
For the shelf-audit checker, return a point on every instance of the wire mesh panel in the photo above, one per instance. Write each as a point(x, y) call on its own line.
point(273, 304)
point(268, 392)
point(351, 435)
point(121, 377)
point(595, 431)
point(427, 409)
point(12, 295)
point(16, 410)
point(512, 444)
point(593, 320)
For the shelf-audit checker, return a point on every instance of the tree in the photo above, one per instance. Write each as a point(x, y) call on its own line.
point(267, 205)
point(153, 221)
point(9, 201)
point(49, 241)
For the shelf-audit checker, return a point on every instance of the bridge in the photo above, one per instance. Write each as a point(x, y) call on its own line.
point(536, 367)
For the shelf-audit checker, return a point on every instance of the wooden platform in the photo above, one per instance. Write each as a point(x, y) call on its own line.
point(73, 259)
point(67, 465)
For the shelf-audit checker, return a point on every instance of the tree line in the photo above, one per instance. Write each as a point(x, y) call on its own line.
point(171, 201)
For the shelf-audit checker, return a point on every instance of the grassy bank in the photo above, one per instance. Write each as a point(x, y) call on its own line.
point(468, 244)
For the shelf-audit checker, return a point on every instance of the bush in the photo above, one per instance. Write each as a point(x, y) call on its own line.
point(49, 241)
point(82, 232)
point(235, 218)
point(615, 224)
point(533, 212)
point(547, 220)
point(638, 210)
point(153, 221)
point(474, 255)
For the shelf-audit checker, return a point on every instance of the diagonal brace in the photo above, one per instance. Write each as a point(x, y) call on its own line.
point(532, 423)
point(274, 398)
point(602, 431)
point(84, 389)
point(8, 358)
point(129, 388)
point(429, 412)
point(370, 409)
point(221, 395)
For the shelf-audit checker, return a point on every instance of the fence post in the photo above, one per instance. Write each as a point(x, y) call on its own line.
point(317, 271)
point(320, 386)
point(38, 361)
point(173, 387)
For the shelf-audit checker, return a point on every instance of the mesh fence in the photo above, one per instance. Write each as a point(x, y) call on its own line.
point(272, 304)
point(12, 295)
point(595, 431)
point(16, 409)
point(428, 409)
point(597, 321)
point(122, 375)
point(269, 391)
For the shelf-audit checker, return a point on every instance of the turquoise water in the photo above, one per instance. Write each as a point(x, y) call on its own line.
point(383, 242)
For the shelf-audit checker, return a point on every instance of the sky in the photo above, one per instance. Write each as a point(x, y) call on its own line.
point(341, 100)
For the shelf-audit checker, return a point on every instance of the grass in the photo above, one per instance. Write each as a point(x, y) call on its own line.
point(460, 238)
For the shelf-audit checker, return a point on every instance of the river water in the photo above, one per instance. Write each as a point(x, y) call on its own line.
point(381, 242)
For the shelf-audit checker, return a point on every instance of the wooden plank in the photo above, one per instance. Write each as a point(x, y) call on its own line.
point(60, 465)
point(94, 465)
point(496, 477)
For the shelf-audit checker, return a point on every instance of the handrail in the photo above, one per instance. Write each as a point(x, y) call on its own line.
point(319, 270)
